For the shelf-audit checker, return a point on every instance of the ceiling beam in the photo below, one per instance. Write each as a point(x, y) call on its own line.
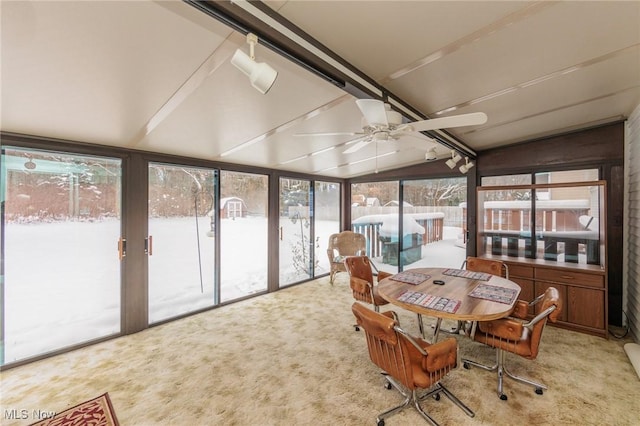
point(285, 38)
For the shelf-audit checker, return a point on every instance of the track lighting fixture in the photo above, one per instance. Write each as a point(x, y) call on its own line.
point(455, 157)
point(466, 166)
point(431, 155)
point(261, 75)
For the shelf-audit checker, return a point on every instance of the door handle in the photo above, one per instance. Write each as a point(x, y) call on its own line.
point(122, 248)
point(148, 245)
point(281, 232)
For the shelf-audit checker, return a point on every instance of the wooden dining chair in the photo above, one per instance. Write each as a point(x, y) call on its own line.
point(409, 364)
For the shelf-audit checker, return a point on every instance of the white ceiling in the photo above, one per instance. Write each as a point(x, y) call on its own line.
point(156, 76)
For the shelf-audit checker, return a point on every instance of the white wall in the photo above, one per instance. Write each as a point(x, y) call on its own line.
point(631, 244)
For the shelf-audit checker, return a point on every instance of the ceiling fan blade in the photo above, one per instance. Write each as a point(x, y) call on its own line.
point(374, 111)
point(471, 119)
point(330, 134)
point(358, 146)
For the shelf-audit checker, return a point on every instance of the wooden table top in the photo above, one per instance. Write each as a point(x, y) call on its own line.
point(458, 288)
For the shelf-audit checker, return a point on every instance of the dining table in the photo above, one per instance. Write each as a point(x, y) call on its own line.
point(449, 293)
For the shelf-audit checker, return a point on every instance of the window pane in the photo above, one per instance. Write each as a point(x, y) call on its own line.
point(504, 222)
point(61, 224)
point(374, 213)
point(505, 180)
point(436, 208)
point(568, 225)
point(568, 176)
point(327, 221)
point(243, 234)
point(181, 267)
point(296, 247)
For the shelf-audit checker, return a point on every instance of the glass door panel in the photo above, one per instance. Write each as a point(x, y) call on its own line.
point(61, 272)
point(374, 213)
point(244, 200)
point(296, 247)
point(181, 229)
point(327, 221)
point(433, 212)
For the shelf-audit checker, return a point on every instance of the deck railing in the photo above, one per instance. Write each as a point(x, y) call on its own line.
point(370, 226)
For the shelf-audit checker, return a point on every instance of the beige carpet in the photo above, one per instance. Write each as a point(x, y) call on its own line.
point(292, 357)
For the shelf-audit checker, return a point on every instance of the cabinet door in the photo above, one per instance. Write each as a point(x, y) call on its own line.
point(542, 286)
point(585, 307)
point(526, 290)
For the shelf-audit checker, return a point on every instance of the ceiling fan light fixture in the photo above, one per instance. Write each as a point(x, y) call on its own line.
point(261, 75)
point(455, 157)
point(466, 166)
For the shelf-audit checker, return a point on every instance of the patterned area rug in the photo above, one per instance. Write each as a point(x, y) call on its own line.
point(95, 412)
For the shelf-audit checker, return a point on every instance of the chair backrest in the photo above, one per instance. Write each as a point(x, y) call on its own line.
point(488, 266)
point(359, 267)
point(384, 344)
point(395, 354)
point(347, 243)
point(360, 278)
point(551, 298)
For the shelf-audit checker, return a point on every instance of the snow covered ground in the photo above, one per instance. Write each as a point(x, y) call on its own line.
point(62, 279)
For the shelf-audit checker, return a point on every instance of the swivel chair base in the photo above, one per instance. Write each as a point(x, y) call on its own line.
point(501, 368)
point(412, 397)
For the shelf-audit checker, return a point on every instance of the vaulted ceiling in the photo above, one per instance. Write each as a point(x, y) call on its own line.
point(157, 76)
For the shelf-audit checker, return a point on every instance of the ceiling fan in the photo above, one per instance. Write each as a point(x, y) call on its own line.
point(381, 123)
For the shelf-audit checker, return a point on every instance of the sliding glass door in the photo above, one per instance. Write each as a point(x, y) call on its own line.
point(327, 222)
point(243, 234)
point(181, 240)
point(60, 222)
point(296, 247)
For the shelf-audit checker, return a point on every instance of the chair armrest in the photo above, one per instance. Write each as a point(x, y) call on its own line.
point(536, 300)
point(520, 309)
point(412, 340)
point(441, 355)
point(392, 315)
point(542, 315)
point(507, 328)
point(382, 275)
point(359, 285)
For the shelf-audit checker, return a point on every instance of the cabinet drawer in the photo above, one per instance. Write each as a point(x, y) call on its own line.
point(520, 271)
point(570, 277)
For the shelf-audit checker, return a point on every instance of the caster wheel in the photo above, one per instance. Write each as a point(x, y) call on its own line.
point(539, 391)
point(436, 397)
point(357, 328)
point(466, 365)
point(503, 397)
point(380, 422)
point(387, 385)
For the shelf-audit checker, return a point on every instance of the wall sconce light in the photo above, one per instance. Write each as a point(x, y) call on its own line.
point(466, 166)
point(455, 157)
point(261, 75)
point(431, 155)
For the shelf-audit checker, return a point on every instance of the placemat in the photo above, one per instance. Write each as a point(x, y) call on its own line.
point(472, 275)
point(410, 277)
point(494, 293)
point(429, 301)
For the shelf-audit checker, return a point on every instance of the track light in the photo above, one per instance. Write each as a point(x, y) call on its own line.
point(466, 166)
point(455, 157)
point(261, 75)
point(431, 155)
